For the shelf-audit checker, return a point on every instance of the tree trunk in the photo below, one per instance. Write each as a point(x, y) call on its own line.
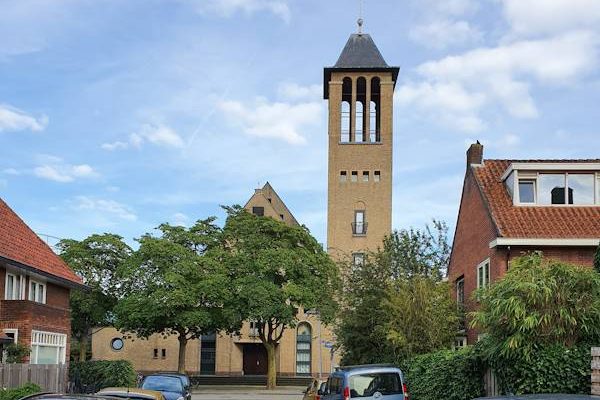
point(272, 368)
point(83, 347)
point(182, 346)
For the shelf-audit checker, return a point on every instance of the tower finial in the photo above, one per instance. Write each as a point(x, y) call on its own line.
point(360, 20)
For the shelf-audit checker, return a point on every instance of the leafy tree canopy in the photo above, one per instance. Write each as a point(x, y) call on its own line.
point(278, 270)
point(171, 286)
point(539, 302)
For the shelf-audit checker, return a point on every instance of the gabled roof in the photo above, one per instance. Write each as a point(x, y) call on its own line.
point(548, 222)
point(359, 54)
point(268, 197)
point(21, 247)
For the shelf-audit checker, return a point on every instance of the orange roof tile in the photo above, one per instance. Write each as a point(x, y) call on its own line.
point(21, 245)
point(548, 222)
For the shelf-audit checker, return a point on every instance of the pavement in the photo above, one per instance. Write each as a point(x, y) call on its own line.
point(246, 393)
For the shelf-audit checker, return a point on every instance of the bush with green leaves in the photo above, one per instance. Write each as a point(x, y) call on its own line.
point(539, 302)
point(16, 353)
point(550, 369)
point(446, 374)
point(19, 392)
point(96, 375)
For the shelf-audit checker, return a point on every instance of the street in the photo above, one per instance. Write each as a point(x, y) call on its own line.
point(246, 393)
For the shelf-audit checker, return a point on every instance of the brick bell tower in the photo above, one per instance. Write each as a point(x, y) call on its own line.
point(360, 90)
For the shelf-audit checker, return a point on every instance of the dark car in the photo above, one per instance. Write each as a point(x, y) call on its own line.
point(544, 397)
point(170, 386)
point(59, 396)
point(184, 378)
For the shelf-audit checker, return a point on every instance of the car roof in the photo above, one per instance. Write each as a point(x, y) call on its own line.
point(68, 396)
point(116, 391)
point(372, 368)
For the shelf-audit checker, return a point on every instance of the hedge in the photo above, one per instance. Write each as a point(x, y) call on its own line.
point(19, 392)
point(446, 374)
point(91, 376)
point(550, 369)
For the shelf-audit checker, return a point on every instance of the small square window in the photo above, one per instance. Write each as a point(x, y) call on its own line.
point(258, 211)
point(163, 353)
point(377, 176)
point(281, 216)
point(365, 176)
point(358, 259)
point(354, 176)
point(343, 176)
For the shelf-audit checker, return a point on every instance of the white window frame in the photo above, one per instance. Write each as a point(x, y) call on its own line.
point(38, 299)
point(22, 282)
point(483, 283)
point(460, 280)
point(358, 259)
point(15, 331)
point(464, 342)
point(534, 176)
point(48, 339)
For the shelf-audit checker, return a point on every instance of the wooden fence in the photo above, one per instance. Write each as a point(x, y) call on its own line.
point(50, 377)
point(490, 383)
point(596, 370)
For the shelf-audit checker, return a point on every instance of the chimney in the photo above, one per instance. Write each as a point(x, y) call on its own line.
point(475, 154)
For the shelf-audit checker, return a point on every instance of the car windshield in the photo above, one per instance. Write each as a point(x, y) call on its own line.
point(162, 383)
point(366, 385)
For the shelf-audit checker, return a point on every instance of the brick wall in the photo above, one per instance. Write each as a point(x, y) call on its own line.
point(596, 370)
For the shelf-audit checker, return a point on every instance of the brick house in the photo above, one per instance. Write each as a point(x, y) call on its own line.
point(34, 291)
point(510, 207)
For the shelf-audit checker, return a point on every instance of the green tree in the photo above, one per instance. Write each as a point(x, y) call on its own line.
point(597, 260)
point(539, 302)
point(399, 284)
point(96, 259)
point(278, 269)
point(421, 317)
point(170, 286)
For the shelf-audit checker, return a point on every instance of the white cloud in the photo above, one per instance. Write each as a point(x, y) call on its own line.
point(543, 17)
point(11, 171)
point(282, 121)
point(159, 135)
point(228, 8)
point(458, 87)
point(87, 203)
point(13, 119)
point(444, 33)
point(55, 169)
point(293, 91)
point(180, 219)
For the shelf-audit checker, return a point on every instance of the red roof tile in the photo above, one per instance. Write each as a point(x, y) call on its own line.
point(21, 245)
point(549, 222)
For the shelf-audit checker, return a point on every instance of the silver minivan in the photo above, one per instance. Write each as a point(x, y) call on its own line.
point(366, 382)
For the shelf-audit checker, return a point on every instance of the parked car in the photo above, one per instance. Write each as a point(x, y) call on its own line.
point(543, 397)
point(311, 392)
point(376, 382)
point(131, 393)
point(184, 378)
point(60, 396)
point(170, 386)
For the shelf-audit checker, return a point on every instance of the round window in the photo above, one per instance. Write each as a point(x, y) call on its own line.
point(117, 344)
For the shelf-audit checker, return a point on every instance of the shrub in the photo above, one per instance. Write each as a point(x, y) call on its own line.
point(446, 374)
point(19, 392)
point(550, 369)
point(91, 376)
point(16, 352)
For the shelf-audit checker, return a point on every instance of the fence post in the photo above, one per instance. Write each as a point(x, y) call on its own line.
point(596, 370)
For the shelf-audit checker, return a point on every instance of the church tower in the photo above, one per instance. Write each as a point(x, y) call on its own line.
point(360, 90)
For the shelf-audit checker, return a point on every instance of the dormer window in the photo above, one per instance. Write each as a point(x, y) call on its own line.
point(550, 187)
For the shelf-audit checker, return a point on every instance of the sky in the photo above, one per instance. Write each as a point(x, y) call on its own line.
point(116, 116)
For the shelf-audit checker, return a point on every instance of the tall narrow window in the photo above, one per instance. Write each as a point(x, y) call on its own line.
point(359, 226)
point(37, 291)
point(343, 176)
point(377, 176)
point(483, 274)
point(14, 287)
point(354, 176)
point(365, 176)
point(346, 111)
point(375, 117)
point(303, 349)
point(361, 102)
point(460, 291)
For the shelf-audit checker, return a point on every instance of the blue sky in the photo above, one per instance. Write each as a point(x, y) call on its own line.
point(117, 115)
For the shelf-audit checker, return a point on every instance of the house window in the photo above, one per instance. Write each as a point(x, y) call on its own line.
point(460, 291)
point(377, 176)
point(460, 342)
point(359, 226)
point(354, 176)
point(253, 331)
point(303, 349)
point(365, 176)
point(37, 291)
point(48, 347)
point(163, 353)
point(358, 259)
point(258, 211)
point(551, 189)
point(155, 353)
point(14, 287)
point(343, 176)
point(527, 191)
point(483, 274)
point(346, 112)
point(581, 189)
